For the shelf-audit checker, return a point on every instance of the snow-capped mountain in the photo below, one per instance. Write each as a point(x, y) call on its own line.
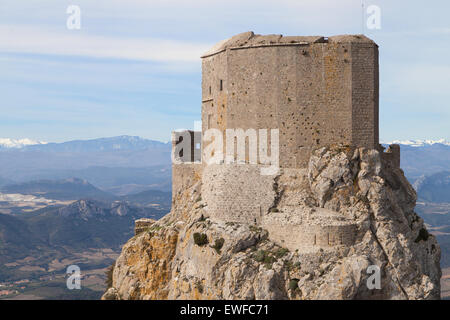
point(18, 143)
point(123, 162)
point(120, 143)
point(113, 144)
point(419, 143)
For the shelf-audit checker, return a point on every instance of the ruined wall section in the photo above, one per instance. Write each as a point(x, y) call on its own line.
point(392, 156)
point(184, 176)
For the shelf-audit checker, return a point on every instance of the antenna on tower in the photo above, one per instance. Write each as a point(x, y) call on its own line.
point(362, 16)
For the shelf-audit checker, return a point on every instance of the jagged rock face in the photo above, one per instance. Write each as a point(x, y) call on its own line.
point(187, 255)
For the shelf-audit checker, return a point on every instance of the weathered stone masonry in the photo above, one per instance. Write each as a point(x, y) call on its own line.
point(317, 91)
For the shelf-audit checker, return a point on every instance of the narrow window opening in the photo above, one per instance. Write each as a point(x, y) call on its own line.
point(221, 85)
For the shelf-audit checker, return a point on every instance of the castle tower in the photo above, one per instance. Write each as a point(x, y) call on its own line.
point(317, 91)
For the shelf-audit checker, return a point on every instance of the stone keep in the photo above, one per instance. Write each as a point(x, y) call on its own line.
point(317, 91)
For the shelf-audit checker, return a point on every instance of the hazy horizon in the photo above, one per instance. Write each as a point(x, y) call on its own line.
point(134, 67)
point(31, 141)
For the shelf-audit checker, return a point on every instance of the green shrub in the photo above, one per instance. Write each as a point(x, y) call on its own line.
point(274, 210)
point(199, 286)
point(265, 257)
point(293, 284)
point(200, 239)
point(154, 228)
point(218, 244)
point(423, 235)
point(259, 255)
point(281, 252)
point(255, 229)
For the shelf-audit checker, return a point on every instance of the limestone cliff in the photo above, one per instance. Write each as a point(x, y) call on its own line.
point(325, 225)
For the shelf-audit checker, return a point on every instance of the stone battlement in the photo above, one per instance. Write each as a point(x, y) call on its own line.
point(392, 155)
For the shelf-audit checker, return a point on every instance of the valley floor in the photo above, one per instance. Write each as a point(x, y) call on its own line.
point(47, 280)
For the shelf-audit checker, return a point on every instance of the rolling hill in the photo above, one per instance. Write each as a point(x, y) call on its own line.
point(67, 189)
point(434, 188)
point(59, 232)
point(105, 162)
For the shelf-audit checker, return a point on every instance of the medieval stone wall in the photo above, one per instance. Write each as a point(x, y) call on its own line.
point(316, 91)
point(312, 237)
point(184, 175)
point(237, 193)
point(365, 95)
point(392, 156)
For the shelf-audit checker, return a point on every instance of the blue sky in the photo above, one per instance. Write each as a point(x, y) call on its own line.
point(134, 68)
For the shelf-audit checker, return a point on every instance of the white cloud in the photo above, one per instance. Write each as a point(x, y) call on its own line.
point(20, 39)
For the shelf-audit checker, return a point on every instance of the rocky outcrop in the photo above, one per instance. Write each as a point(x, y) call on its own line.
point(329, 224)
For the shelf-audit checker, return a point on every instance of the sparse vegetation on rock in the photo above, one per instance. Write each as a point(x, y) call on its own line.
point(200, 239)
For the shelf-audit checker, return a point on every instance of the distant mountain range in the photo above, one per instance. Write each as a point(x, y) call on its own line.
point(125, 164)
point(76, 189)
point(53, 233)
point(67, 189)
point(419, 143)
point(4, 181)
point(121, 164)
point(57, 231)
point(423, 157)
point(434, 188)
point(18, 143)
point(101, 144)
